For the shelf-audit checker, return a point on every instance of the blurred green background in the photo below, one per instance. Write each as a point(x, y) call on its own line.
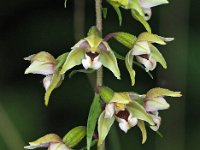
point(27, 27)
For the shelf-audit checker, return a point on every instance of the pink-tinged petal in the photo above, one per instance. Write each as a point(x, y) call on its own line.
point(109, 110)
point(151, 3)
point(81, 44)
point(156, 104)
point(42, 68)
point(58, 146)
point(47, 81)
point(141, 48)
point(157, 121)
point(150, 63)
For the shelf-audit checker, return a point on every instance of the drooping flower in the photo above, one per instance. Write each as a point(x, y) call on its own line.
point(154, 102)
point(92, 52)
point(50, 141)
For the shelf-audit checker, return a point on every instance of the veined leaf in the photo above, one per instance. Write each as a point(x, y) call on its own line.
point(94, 113)
point(138, 111)
point(141, 19)
point(129, 63)
point(157, 92)
point(74, 136)
point(125, 39)
point(104, 125)
point(109, 60)
point(74, 58)
point(142, 128)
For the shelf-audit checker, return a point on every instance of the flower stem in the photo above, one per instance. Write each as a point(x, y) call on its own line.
point(98, 4)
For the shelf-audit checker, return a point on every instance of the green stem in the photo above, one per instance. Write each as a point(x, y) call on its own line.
point(98, 4)
point(99, 78)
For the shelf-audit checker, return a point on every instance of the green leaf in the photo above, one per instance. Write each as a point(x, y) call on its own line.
point(106, 94)
point(141, 66)
point(142, 128)
point(65, 4)
point(125, 39)
point(141, 19)
point(74, 58)
point(61, 60)
point(138, 111)
point(118, 56)
point(105, 12)
point(158, 56)
point(74, 136)
point(94, 113)
point(92, 144)
point(104, 125)
point(54, 83)
point(81, 71)
point(109, 61)
point(157, 92)
point(145, 36)
point(121, 98)
point(129, 63)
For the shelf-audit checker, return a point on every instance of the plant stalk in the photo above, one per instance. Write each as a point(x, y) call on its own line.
point(98, 4)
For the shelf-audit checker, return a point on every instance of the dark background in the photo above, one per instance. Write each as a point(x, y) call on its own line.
point(29, 26)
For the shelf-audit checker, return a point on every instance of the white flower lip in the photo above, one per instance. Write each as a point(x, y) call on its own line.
point(89, 63)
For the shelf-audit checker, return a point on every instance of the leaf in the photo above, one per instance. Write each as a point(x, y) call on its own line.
point(118, 56)
point(145, 36)
point(105, 12)
point(157, 92)
point(61, 60)
point(129, 63)
point(125, 39)
point(74, 58)
point(141, 19)
point(92, 144)
point(109, 61)
point(121, 98)
point(81, 71)
point(106, 94)
point(141, 66)
point(138, 111)
point(158, 56)
point(104, 125)
point(94, 113)
point(54, 83)
point(74, 136)
point(142, 128)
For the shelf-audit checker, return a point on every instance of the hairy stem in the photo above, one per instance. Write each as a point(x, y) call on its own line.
point(98, 4)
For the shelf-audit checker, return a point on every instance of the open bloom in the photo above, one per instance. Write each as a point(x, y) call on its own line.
point(120, 112)
point(50, 141)
point(154, 101)
point(92, 52)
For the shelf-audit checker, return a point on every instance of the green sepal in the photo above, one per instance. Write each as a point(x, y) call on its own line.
point(135, 5)
point(129, 63)
point(74, 58)
point(120, 2)
point(74, 136)
point(158, 56)
point(60, 60)
point(141, 19)
point(94, 113)
point(142, 128)
point(121, 98)
point(81, 71)
point(56, 81)
point(157, 92)
point(125, 39)
point(153, 38)
point(104, 125)
point(109, 61)
point(138, 111)
point(65, 4)
point(106, 94)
